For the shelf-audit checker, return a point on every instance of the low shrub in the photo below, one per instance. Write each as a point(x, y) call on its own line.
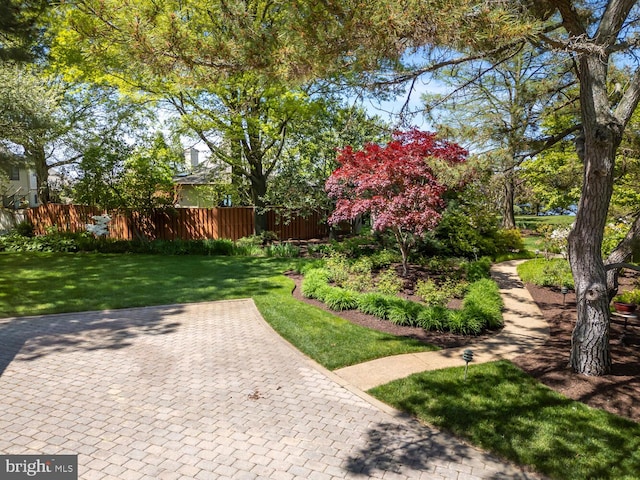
point(361, 282)
point(250, 241)
point(388, 282)
point(449, 266)
point(304, 265)
point(220, 246)
point(319, 250)
point(431, 294)
point(169, 247)
point(554, 272)
point(384, 258)
point(361, 265)
point(283, 250)
point(482, 304)
point(268, 237)
point(466, 231)
point(25, 229)
point(478, 269)
point(509, 240)
point(247, 250)
point(53, 242)
point(355, 247)
point(338, 267)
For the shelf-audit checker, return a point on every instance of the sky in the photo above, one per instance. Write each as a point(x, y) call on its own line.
point(389, 110)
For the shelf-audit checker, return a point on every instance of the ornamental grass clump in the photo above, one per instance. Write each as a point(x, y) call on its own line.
point(484, 304)
point(404, 312)
point(433, 318)
point(339, 299)
point(282, 250)
point(315, 283)
point(464, 322)
point(373, 304)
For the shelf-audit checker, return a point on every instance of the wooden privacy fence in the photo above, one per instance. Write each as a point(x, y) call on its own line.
point(179, 223)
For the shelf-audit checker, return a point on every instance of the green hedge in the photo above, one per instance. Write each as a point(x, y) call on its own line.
point(20, 241)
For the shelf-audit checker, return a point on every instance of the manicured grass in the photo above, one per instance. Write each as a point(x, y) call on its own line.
point(533, 242)
point(531, 222)
point(501, 409)
point(39, 283)
point(43, 283)
point(330, 340)
point(554, 272)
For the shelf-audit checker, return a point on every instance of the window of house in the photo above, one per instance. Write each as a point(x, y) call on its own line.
point(15, 173)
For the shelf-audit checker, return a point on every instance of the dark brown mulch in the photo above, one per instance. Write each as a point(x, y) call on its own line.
point(617, 393)
point(444, 340)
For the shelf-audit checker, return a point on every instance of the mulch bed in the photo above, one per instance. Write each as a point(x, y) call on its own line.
point(617, 393)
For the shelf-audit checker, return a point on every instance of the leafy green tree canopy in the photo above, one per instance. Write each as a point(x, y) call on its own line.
point(19, 28)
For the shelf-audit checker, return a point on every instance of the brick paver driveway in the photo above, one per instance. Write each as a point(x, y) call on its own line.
point(202, 391)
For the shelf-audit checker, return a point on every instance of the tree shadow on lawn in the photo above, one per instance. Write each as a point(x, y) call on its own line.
point(78, 282)
point(30, 338)
point(501, 409)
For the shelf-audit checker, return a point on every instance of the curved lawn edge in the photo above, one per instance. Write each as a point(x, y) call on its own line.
point(328, 339)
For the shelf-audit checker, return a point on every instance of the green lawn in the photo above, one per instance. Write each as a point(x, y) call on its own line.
point(42, 283)
point(501, 409)
point(531, 222)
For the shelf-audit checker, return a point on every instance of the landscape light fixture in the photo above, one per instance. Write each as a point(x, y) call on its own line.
point(564, 290)
point(467, 356)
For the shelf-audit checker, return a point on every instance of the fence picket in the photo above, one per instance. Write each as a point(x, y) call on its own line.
point(182, 223)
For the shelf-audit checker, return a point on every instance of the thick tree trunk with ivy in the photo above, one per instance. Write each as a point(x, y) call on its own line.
point(37, 158)
point(508, 201)
point(258, 191)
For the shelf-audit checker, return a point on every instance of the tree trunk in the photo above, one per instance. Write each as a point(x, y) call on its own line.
point(508, 216)
point(403, 245)
point(37, 157)
point(258, 191)
point(590, 350)
point(590, 353)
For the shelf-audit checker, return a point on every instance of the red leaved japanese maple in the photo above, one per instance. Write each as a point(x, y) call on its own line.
point(395, 184)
